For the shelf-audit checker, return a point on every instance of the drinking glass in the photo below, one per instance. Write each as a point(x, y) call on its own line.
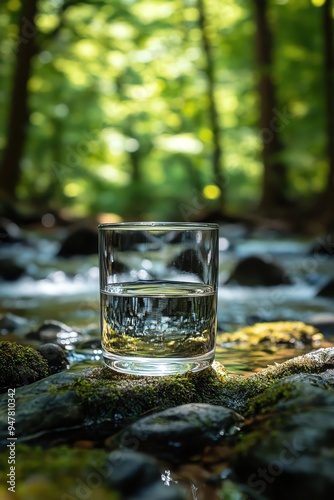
point(158, 283)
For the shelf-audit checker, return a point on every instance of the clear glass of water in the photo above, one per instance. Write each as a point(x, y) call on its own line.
point(158, 283)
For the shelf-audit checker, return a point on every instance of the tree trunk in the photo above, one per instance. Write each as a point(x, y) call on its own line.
point(329, 95)
point(217, 155)
point(18, 110)
point(274, 181)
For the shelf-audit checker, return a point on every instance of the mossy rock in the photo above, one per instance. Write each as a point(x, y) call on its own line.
point(20, 365)
point(96, 402)
point(280, 333)
point(59, 472)
point(286, 448)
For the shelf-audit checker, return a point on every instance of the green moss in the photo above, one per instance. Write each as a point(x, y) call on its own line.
point(59, 472)
point(284, 333)
point(20, 365)
point(277, 394)
point(107, 396)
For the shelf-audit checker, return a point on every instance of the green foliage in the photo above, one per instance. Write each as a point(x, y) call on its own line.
point(119, 109)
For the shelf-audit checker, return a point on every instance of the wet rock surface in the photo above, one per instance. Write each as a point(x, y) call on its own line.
point(137, 476)
point(327, 290)
point(10, 270)
point(55, 331)
point(185, 429)
point(258, 271)
point(93, 403)
point(81, 241)
point(287, 449)
point(55, 357)
point(11, 322)
point(9, 232)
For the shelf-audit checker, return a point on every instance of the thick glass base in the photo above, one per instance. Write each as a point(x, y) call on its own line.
point(157, 367)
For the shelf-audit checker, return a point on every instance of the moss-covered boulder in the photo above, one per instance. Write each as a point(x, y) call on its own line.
point(286, 450)
point(95, 402)
point(20, 365)
point(294, 334)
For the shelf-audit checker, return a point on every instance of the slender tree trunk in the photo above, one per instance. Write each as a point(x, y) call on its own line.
point(329, 95)
point(274, 181)
point(217, 155)
point(18, 110)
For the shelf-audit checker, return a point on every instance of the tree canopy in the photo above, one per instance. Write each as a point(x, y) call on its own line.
point(129, 102)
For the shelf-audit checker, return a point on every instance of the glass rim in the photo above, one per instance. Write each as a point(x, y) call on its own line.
point(159, 226)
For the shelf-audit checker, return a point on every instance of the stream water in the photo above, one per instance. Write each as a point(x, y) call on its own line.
point(68, 291)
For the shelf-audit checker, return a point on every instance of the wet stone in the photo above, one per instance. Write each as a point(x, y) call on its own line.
point(289, 451)
point(327, 290)
point(9, 231)
point(55, 331)
point(324, 247)
point(186, 428)
point(130, 470)
point(257, 271)
point(10, 322)
point(55, 356)
point(137, 476)
point(81, 241)
point(10, 271)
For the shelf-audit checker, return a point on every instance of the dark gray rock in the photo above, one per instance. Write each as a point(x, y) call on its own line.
point(327, 290)
point(137, 476)
point(323, 248)
point(186, 429)
point(55, 356)
point(159, 491)
point(257, 271)
point(10, 271)
point(131, 470)
point(40, 410)
point(10, 322)
point(9, 231)
point(288, 451)
point(55, 331)
point(81, 241)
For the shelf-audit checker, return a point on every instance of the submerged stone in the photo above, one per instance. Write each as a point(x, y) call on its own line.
point(288, 333)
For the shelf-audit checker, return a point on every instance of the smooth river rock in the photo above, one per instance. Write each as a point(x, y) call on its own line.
point(184, 429)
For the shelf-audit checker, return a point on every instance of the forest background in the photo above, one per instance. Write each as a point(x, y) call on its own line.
point(167, 109)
